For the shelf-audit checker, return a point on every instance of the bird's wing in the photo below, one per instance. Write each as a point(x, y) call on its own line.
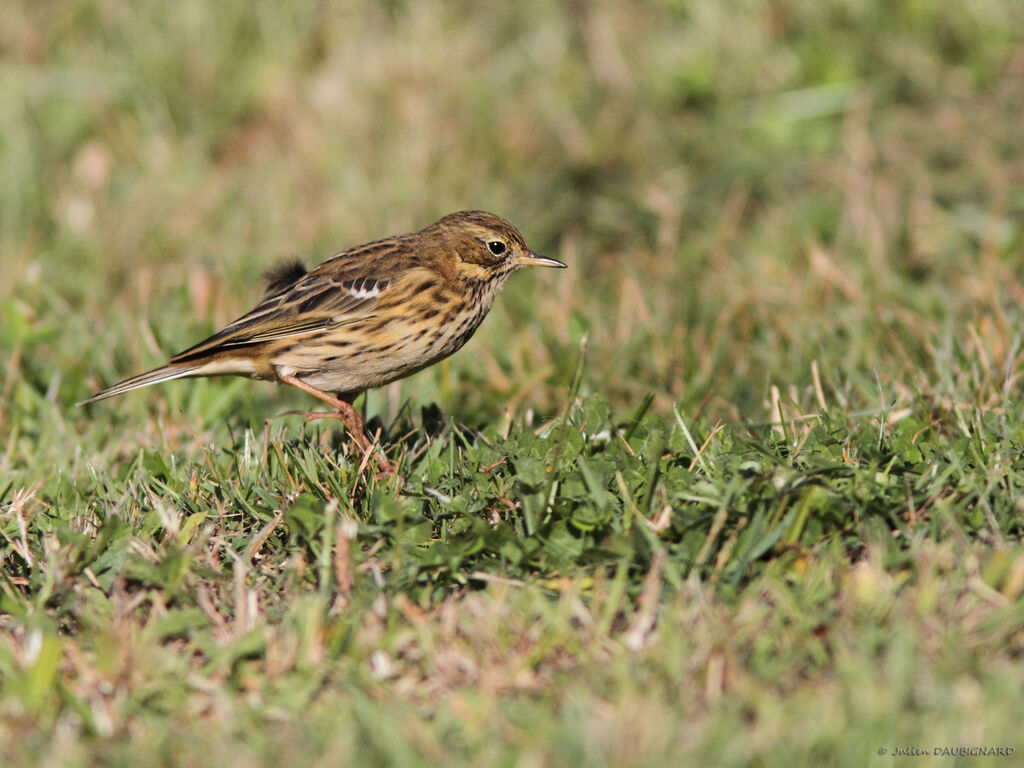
point(314, 302)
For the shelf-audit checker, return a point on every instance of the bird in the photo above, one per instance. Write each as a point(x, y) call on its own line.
point(365, 317)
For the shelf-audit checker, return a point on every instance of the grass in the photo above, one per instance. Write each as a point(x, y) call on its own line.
point(743, 486)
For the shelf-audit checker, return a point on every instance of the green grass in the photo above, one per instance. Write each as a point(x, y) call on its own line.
point(743, 486)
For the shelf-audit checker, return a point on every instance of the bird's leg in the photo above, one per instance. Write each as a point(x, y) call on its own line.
point(343, 410)
point(353, 421)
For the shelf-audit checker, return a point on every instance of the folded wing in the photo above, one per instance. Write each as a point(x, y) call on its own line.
point(314, 303)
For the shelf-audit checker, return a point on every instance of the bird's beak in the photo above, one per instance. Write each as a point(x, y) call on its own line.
point(532, 259)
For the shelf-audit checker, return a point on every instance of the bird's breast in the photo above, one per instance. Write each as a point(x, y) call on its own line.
point(398, 341)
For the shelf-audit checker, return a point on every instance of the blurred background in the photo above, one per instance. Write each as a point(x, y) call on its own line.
point(768, 207)
point(742, 189)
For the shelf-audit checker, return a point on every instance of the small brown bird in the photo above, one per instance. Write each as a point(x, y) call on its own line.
point(365, 317)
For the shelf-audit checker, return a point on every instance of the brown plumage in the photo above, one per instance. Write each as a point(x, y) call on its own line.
point(365, 317)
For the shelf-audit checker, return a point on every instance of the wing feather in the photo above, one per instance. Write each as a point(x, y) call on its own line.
point(314, 303)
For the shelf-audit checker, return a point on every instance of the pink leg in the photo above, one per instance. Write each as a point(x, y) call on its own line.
point(351, 418)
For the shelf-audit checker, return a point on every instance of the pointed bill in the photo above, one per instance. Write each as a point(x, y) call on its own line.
point(536, 260)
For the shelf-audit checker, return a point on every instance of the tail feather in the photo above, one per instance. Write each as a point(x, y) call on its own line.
point(163, 373)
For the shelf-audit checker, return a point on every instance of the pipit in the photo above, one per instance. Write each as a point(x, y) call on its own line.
point(365, 317)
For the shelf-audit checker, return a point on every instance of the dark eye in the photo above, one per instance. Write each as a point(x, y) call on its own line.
point(496, 247)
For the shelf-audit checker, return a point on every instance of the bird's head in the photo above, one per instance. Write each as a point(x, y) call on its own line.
point(486, 248)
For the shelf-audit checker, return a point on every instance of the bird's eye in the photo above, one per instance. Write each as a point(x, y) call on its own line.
point(496, 247)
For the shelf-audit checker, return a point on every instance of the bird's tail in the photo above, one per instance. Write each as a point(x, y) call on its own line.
point(163, 373)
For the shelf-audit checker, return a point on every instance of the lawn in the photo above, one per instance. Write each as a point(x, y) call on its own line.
point(742, 486)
